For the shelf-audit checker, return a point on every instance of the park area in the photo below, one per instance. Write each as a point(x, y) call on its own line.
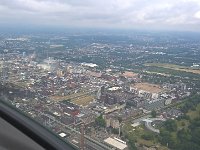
point(181, 133)
point(142, 136)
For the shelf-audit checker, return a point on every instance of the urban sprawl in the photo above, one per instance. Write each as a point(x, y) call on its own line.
point(95, 94)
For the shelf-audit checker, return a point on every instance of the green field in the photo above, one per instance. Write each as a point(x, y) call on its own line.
point(76, 98)
point(83, 100)
point(174, 67)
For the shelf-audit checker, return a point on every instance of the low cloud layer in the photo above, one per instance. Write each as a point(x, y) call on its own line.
point(161, 14)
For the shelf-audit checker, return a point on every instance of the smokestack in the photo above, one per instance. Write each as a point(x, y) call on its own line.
point(82, 144)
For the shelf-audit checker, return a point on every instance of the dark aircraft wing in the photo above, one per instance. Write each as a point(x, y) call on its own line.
point(18, 132)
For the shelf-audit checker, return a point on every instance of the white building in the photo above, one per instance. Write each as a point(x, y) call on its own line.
point(116, 143)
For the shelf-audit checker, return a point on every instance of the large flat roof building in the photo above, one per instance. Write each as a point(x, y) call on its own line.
point(117, 143)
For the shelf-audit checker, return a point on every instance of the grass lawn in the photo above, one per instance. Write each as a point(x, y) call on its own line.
point(147, 143)
point(83, 100)
point(174, 67)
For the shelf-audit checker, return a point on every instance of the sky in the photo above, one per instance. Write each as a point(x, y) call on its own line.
point(125, 14)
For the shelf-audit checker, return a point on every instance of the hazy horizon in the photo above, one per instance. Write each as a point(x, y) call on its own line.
point(179, 15)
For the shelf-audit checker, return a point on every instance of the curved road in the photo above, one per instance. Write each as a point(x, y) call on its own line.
point(148, 123)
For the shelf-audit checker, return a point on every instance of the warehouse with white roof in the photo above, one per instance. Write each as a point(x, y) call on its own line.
point(116, 143)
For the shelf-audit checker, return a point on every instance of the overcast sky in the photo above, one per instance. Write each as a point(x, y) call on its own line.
point(148, 14)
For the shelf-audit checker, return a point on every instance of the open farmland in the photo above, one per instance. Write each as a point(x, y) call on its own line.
point(174, 67)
